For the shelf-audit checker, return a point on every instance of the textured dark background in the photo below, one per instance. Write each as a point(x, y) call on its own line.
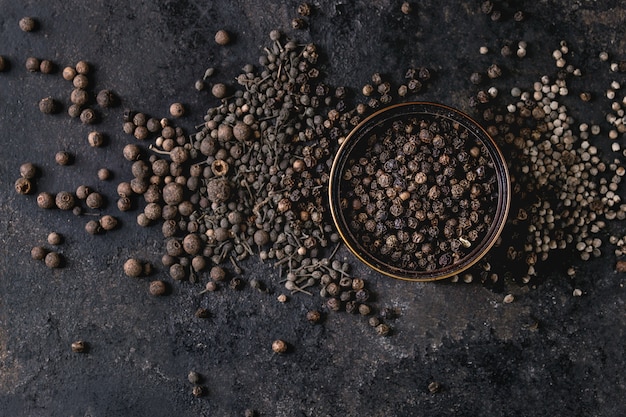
point(548, 353)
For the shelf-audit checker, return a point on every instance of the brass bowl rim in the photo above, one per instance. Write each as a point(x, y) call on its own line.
point(479, 134)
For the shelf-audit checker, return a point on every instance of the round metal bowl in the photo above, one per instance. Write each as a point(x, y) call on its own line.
point(355, 150)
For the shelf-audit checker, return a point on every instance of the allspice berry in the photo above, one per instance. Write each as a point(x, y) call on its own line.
point(4, 63)
point(108, 222)
point(46, 66)
point(32, 64)
point(96, 139)
point(94, 200)
point(219, 90)
point(28, 170)
point(103, 174)
point(80, 81)
point(23, 186)
point(79, 346)
point(27, 24)
point(63, 158)
point(45, 200)
point(82, 67)
point(79, 96)
point(106, 98)
point(38, 253)
point(88, 116)
point(314, 316)
point(53, 260)
point(133, 267)
point(65, 200)
point(47, 105)
point(217, 273)
point(93, 227)
point(279, 346)
point(192, 244)
point(55, 238)
point(222, 37)
point(68, 73)
point(157, 288)
point(177, 110)
point(131, 152)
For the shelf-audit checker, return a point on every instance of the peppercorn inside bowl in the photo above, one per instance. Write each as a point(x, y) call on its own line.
point(419, 191)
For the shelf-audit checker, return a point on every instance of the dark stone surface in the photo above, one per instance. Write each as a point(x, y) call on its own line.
point(548, 353)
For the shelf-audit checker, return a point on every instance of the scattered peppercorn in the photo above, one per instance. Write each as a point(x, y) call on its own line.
point(158, 288)
point(313, 316)
point(23, 186)
point(88, 116)
point(4, 63)
point(45, 200)
point(53, 260)
point(177, 110)
point(63, 158)
point(104, 174)
point(82, 67)
point(48, 105)
point(68, 73)
point(27, 24)
point(55, 238)
point(108, 222)
point(32, 64)
point(38, 253)
point(406, 8)
point(222, 37)
point(46, 66)
point(79, 346)
point(106, 98)
point(279, 346)
point(93, 227)
point(133, 267)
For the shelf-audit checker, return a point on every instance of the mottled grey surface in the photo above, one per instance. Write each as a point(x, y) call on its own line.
point(548, 353)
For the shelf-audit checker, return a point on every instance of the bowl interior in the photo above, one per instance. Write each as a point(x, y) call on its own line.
point(394, 243)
